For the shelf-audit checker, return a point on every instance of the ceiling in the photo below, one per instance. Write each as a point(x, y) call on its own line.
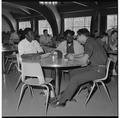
point(17, 8)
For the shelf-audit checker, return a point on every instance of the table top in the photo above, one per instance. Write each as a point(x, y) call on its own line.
point(48, 62)
point(8, 49)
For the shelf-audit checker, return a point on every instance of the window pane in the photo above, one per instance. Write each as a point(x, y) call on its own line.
point(87, 21)
point(111, 21)
point(43, 24)
point(81, 20)
point(68, 22)
point(77, 23)
point(116, 20)
point(24, 24)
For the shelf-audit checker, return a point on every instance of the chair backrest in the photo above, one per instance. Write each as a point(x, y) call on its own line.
point(108, 68)
point(18, 62)
point(32, 70)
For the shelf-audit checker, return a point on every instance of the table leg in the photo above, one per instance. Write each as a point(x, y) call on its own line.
point(3, 63)
point(57, 82)
point(3, 74)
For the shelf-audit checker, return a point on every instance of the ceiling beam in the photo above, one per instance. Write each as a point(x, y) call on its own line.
point(80, 3)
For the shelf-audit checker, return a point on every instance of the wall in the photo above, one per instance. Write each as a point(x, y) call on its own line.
point(5, 25)
point(10, 18)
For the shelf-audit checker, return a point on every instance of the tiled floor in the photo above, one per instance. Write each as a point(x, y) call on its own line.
point(99, 105)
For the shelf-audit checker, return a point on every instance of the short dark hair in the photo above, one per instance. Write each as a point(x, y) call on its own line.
point(26, 30)
point(104, 34)
point(83, 31)
point(68, 32)
point(45, 30)
point(113, 32)
point(73, 33)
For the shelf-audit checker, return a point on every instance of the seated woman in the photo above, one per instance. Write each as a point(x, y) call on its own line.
point(69, 45)
point(113, 40)
point(96, 55)
point(113, 44)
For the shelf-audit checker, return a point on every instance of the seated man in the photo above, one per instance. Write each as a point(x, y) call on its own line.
point(29, 47)
point(14, 38)
point(45, 39)
point(70, 46)
point(96, 55)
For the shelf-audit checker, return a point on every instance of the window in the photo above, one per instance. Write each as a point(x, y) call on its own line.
point(77, 23)
point(43, 24)
point(24, 24)
point(111, 21)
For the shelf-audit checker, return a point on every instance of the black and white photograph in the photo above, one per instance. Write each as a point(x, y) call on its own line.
point(59, 58)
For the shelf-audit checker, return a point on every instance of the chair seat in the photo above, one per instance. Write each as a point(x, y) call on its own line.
point(35, 81)
point(32, 81)
point(48, 79)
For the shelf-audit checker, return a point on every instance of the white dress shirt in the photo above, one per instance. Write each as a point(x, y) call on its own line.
point(26, 47)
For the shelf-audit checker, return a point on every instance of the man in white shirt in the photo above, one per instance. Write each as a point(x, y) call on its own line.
point(45, 39)
point(29, 46)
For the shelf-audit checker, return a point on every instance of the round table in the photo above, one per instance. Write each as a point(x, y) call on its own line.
point(50, 62)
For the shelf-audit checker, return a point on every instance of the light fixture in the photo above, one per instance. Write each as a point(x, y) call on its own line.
point(48, 2)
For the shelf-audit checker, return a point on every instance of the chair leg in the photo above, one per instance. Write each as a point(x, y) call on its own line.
point(47, 100)
point(18, 82)
point(16, 67)
point(98, 87)
point(79, 90)
point(9, 67)
point(21, 95)
point(89, 96)
point(6, 61)
point(31, 90)
point(106, 90)
point(52, 88)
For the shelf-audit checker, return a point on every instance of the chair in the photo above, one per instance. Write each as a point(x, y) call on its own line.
point(19, 70)
point(9, 57)
point(101, 80)
point(13, 61)
point(34, 79)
